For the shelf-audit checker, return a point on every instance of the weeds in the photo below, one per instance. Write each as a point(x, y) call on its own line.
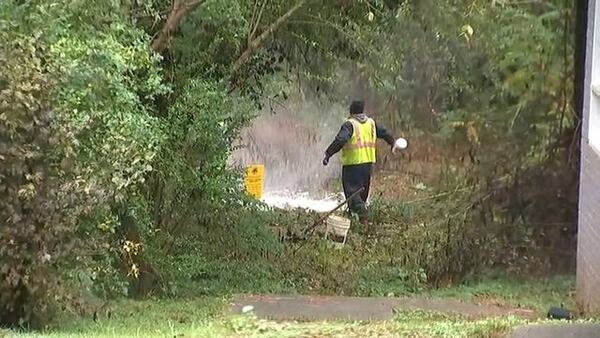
point(259, 253)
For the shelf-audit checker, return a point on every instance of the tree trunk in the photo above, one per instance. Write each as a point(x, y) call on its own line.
point(179, 10)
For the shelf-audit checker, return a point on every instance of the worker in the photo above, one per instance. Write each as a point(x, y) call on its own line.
point(356, 139)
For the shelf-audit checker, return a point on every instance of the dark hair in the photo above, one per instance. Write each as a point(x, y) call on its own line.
point(357, 107)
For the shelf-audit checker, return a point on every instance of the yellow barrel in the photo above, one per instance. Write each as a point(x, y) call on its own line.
point(253, 180)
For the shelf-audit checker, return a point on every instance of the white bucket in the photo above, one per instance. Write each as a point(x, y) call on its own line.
point(338, 226)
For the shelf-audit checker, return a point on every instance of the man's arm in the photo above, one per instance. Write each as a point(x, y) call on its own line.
point(384, 134)
point(340, 140)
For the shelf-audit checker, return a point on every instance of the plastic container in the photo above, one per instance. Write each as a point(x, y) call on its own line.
point(338, 226)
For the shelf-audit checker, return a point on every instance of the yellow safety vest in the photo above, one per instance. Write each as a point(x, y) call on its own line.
point(361, 146)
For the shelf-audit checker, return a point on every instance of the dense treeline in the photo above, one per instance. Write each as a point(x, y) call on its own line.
point(117, 119)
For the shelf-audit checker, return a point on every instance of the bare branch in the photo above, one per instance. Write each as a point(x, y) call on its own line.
point(257, 22)
point(251, 23)
point(179, 9)
point(259, 40)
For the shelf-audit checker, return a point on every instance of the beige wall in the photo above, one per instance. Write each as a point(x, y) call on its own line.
point(588, 246)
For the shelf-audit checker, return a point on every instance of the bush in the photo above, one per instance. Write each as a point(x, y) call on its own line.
point(75, 139)
point(192, 185)
point(40, 206)
point(237, 256)
point(390, 281)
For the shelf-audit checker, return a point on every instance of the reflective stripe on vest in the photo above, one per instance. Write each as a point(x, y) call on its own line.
point(361, 146)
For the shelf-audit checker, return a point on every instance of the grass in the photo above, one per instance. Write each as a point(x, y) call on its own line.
point(191, 319)
point(536, 294)
point(149, 318)
point(248, 258)
point(415, 324)
point(207, 317)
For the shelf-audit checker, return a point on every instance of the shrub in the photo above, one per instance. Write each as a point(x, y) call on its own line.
point(75, 139)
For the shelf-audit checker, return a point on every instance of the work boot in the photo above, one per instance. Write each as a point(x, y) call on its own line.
point(366, 225)
point(364, 220)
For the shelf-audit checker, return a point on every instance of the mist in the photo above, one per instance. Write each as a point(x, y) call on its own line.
point(290, 141)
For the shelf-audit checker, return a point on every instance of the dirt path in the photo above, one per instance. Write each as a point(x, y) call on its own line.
point(320, 308)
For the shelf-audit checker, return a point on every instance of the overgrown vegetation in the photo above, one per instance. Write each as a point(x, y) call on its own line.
point(206, 317)
point(117, 119)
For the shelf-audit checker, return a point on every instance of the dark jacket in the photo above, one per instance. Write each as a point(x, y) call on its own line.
point(345, 134)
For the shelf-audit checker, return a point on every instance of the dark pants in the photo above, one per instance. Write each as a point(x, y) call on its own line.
point(355, 177)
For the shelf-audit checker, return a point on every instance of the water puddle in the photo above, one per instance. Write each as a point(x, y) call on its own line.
point(303, 200)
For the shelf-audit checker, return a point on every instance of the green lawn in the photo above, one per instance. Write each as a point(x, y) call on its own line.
point(199, 319)
point(148, 318)
point(538, 294)
point(207, 317)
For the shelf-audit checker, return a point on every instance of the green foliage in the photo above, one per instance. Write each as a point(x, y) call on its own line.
point(37, 228)
point(535, 293)
point(457, 327)
point(76, 138)
point(390, 281)
point(479, 78)
point(192, 186)
point(115, 159)
point(391, 212)
point(150, 318)
point(240, 255)
point(220, 27)
point(206, 318)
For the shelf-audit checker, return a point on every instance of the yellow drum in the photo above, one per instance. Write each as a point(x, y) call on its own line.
point(253, 180)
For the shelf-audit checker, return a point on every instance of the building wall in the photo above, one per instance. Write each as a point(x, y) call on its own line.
point(588, 242)
point(588, 247)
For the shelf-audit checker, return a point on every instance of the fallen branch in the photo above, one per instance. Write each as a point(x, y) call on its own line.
point(259, 40)
point(179, 9)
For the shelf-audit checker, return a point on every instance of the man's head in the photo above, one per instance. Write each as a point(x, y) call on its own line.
point(357, 107)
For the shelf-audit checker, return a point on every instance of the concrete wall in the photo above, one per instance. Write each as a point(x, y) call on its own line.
point(588, 251)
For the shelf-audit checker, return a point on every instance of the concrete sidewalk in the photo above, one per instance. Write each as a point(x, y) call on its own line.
point(558, 330)
point(320, 308)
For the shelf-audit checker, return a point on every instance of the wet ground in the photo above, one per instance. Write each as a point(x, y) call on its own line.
point(304, 200)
